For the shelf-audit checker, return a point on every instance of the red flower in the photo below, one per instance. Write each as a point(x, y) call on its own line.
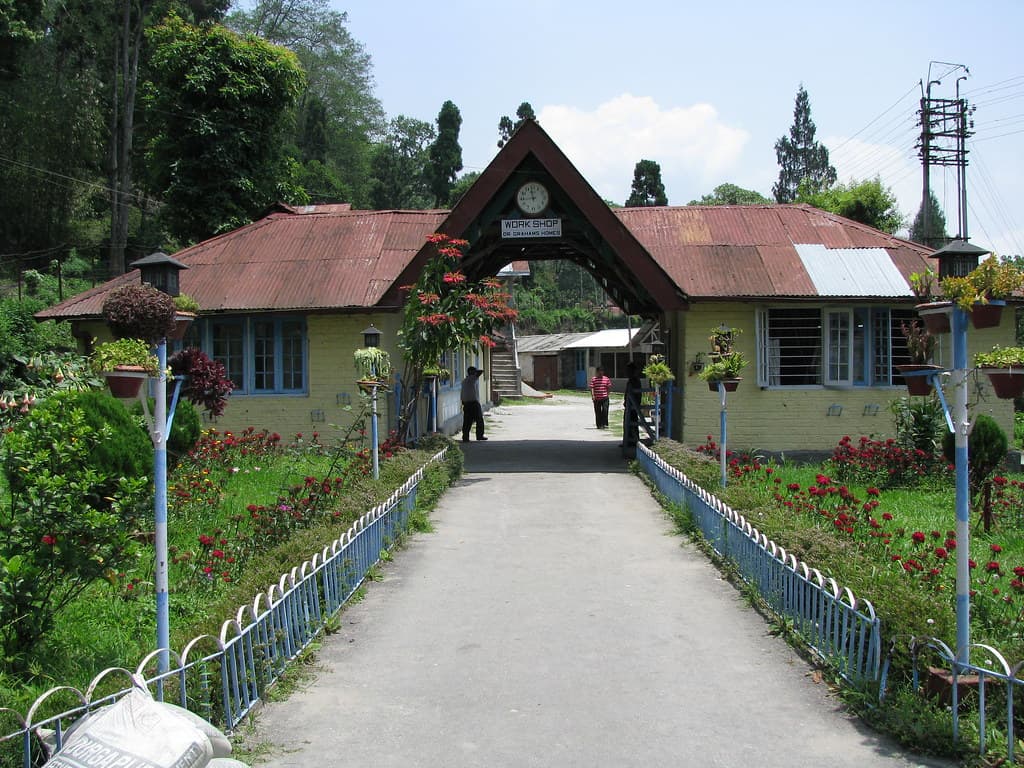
point(992, 565)
point(996, 548)
point(49, 540)
point(887, 516)
point(941, 553)
point(918, 537)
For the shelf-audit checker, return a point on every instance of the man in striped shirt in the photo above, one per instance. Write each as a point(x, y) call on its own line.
point(600, 389)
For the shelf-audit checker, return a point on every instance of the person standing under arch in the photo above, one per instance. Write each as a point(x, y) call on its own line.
point(472, 412)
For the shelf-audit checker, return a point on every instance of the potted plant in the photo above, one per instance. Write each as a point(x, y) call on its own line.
point(139, 311)
point(920, 348)
point(984, 290)
point(125, 363)
point(933, 311)
point(725, 362)
point(438, 372)
point(725, 369)
point(373, 365)
point(1004, 367)
point(185, 311)
point(657, 371)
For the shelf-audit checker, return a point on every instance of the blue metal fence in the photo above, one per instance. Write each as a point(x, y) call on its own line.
point(836, 625)
point(222, 678)
point(844, 630)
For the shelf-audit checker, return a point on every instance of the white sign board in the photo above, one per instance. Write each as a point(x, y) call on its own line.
point(514, 228)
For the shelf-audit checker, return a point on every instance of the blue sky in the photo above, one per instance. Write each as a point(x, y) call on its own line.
point(706, 89)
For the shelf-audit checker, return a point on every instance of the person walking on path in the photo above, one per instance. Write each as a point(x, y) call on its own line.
point(600, 390)
point(472, 413)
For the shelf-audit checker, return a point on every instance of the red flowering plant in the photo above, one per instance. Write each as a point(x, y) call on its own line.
point(446, 311)
point(206, 382)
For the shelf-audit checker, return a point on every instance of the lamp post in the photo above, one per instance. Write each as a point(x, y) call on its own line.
point(371, 338)
point(957, 259)
point(160, 271)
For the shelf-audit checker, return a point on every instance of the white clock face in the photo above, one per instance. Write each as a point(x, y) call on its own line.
point(532, 198)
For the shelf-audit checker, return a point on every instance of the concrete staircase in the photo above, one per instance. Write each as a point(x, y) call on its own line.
point(506, 379)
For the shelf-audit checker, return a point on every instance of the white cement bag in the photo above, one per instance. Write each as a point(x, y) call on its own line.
point(226, 762)
point(136, 732)
point(220, 743)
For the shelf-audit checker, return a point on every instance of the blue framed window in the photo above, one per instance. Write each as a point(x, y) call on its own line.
point(834, 346)
point(262, 355)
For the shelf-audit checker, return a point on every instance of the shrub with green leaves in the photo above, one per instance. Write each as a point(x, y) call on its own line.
point(986, 450)
point(66, 522)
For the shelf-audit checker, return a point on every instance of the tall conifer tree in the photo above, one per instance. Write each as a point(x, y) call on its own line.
point(932, 234)
point(802, 160)
point(445, 154)
point(647, 188)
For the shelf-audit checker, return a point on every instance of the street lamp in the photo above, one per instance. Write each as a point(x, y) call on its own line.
point(371, 338)
point(161, 271)
point(958, 258)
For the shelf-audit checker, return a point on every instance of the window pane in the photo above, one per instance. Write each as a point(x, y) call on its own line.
point(228, 349)
point(793, 347)
point(839, 346)
point(291, 355)
point(897, 342)
point(861, 335)
point(263, 355)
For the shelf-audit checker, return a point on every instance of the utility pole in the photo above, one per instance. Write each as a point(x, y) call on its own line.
point(944, 132)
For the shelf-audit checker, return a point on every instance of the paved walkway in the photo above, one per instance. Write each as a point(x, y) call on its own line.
point(553, 619)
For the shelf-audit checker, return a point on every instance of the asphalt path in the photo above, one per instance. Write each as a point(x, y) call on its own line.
point(553, 618)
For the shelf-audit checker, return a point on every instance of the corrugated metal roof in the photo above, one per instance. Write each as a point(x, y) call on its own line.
point(547, 342)
point(330, 257)
point(610, 338)
point(291, 260)
point(752, 251)
point(852, 271)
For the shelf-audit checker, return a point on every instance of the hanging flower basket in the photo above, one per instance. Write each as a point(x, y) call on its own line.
point(729, 384)
point(368, 385)
point(917, 377)
point(1007, 383)
point(125, 381)
point(987, 315)
point(935, 315)
point(182, 321)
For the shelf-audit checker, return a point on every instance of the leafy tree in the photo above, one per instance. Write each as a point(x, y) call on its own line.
point(338, 98)
point(506, 127)
point(462, 185)
point(934, 233)
point(730, 194)
point(399, 166)
point(222, 104)
point(647, 188)
point(445, 154)
point(868, 202)
point(802, 160)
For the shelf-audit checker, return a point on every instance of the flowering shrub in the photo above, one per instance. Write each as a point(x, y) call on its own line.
point(446, 312)
point(884, 463)
point(66, 524)
point(139, 311)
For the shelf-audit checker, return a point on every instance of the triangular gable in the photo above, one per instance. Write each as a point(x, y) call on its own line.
point(607, 248)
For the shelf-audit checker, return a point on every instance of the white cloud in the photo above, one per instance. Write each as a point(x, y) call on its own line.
point(691, 144)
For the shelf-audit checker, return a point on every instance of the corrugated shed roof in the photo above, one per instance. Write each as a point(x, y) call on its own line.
point(752, 251)
point(609, 338)
point(547, 342)
point(291, 260)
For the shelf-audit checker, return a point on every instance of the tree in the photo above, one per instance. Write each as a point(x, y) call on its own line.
point(219, 105)
point(506, 127)
point(933, 234)
point(802, 160)
point(867, 202)
point(730, 194)
point(399, 166)
point(647, 187)
point(462, 185)
point(445, 154)
point(339, 87)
